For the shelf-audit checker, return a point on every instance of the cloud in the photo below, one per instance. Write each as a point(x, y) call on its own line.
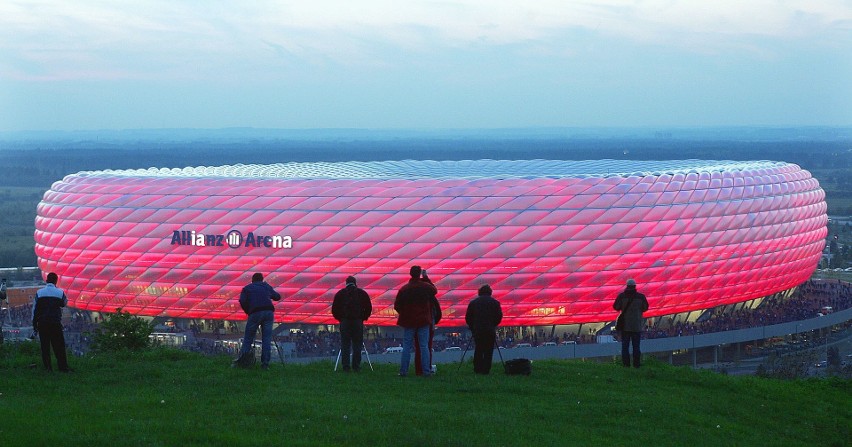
point(158, 39)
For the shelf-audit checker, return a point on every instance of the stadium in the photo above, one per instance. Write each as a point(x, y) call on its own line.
point(556, 240)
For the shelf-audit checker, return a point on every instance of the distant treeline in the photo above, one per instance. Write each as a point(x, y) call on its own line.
point(40, 163)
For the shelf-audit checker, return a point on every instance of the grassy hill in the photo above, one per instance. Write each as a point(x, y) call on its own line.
point(173, 398)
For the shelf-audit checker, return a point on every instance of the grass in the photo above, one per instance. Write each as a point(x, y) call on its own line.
point(166, 397)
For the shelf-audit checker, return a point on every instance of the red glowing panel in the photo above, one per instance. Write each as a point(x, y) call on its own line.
point(556, 240)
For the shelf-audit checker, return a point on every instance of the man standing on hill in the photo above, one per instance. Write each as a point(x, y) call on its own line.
point(351, 307)
point(414, 305)
point(256, 301)
point(47, 320)
point(482, 317)
point(632, 305)
point(436, 318)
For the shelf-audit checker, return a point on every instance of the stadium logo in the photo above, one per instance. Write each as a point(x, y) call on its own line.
point(232, 239)
point(235, 238)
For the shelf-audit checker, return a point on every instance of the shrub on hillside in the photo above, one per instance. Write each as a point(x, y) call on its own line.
point(122, 331)
point(790, 366)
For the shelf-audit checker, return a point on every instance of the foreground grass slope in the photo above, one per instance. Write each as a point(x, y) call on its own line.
point(172, 398)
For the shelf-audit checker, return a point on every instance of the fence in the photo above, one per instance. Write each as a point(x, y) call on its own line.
point(656, 345)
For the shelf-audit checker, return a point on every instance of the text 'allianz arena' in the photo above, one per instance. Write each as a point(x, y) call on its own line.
point(556, 240)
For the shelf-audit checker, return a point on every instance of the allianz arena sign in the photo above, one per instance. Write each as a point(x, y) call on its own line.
point(233, 239)
point(556, 240)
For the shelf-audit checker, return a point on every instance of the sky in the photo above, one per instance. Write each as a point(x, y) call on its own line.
point(467, 64)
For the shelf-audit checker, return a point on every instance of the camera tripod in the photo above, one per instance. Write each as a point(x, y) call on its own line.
point(363, 349)
point(496, 345)
point(278, 349)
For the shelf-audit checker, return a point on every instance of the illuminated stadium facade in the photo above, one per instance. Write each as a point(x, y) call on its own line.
point(556, 240)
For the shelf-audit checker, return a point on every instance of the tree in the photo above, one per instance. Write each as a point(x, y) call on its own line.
point(122, 331)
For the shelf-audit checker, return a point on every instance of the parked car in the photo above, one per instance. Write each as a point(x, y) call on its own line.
point(453, 348)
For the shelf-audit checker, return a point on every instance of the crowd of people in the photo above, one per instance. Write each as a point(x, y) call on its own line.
point(808, 301)
point(216, 337)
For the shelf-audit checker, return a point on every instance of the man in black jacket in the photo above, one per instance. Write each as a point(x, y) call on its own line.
point(351, 307)
point(632, 305)
point(47, 320)
point(482, 317)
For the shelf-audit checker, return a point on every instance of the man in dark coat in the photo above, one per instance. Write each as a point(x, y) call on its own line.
point(256, 301)
point(632, 305)
point(351, 307)
point(482, 317)
point(47, 320)
point(414, 305)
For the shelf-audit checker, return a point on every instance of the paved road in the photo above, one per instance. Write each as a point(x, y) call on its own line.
point(749, 366)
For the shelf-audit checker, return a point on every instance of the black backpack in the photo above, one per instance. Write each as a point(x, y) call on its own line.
point(518, 367)
point(246, 360)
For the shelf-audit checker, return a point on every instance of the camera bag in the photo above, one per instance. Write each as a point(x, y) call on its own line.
point(518, 367)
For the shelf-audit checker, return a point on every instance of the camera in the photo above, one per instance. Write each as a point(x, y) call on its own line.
point(423, 273)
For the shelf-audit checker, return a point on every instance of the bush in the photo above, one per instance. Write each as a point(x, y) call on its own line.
point(122, 331)
point(790, 366)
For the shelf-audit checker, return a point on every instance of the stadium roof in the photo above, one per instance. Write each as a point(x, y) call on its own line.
point(467, 169)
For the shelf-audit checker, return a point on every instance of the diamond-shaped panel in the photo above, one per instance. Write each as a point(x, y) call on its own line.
point(555, 239)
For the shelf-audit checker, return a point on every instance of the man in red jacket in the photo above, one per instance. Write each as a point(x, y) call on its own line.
point(436, 318)
point(414, 305)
